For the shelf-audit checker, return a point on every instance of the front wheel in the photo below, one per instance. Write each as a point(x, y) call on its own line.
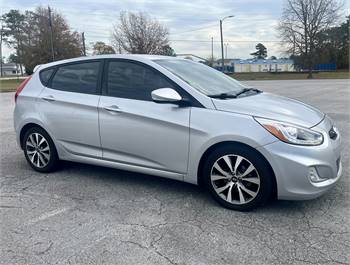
point(238, 177)
point(40, 150)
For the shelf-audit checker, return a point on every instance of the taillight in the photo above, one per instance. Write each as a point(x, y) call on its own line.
point(21, 86)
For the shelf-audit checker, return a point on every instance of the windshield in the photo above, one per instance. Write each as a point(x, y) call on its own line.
point(201, 77)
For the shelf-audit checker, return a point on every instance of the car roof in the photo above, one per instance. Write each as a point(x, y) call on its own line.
point(137, 57)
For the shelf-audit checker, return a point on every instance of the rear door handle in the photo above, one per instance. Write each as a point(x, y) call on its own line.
point(113, 108)
point(48, 98)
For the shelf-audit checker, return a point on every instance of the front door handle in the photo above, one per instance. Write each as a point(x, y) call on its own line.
point(48, 98)
point(113, 108)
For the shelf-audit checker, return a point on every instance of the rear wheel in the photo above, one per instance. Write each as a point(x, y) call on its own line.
point(40, 150)
point(238, 178)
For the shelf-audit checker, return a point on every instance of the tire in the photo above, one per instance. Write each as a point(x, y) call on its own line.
point(39, 150)
point(248, 185)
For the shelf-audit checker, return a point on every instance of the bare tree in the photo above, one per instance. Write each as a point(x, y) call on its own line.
point(302, 21)
point(139, 33)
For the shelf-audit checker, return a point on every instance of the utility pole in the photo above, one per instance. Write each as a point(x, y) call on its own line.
point(212, 51)
point(222, 44)
point(120, 48)
point(1, 62)
point(222, 49)
point(83, 38)
point(51, 34)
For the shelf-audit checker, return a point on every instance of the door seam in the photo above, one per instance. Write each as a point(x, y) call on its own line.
point(99, 127)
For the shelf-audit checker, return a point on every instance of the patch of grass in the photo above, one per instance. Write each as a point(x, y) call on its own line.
point(290, 75)
point(10, 85)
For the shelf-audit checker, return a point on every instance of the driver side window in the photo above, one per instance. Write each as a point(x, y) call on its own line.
point(133, 81)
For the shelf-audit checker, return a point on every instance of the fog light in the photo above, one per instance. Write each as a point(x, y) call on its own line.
point(313, 175)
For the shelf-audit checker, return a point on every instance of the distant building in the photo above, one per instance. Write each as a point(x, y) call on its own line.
point(263, 65)
point(11, 69)
point(256, 65)
point(228, 64)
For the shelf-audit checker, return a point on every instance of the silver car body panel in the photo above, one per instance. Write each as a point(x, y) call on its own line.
point(210, 127)
point(291, 164)
point(73, 119)
point(267, 105)
point(145, 133)
point(169, 141)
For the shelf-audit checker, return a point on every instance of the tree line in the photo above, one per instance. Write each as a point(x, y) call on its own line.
point(29, 35)
point(310, 37)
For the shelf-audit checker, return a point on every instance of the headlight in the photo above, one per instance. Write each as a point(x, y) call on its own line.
point(291, 134)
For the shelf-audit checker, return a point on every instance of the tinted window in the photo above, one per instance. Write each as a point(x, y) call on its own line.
point(45, 75)
point(134, 81)
point(80, 78)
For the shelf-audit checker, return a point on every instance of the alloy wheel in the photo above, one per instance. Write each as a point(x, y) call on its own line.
point(235, 179)
point(38, 150)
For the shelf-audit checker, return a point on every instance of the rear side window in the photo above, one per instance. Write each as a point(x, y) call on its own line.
point(45, 76)
point(78, 77)
point(133, 81)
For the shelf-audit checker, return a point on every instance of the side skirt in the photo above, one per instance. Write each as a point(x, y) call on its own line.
point(127, 167)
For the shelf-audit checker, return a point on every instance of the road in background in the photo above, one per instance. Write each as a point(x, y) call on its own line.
point(92, 215)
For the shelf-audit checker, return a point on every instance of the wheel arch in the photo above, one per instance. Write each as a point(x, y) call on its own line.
point(213, 147)
point(28, 126)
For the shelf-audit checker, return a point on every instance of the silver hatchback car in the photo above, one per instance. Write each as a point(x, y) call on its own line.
point(177, 119)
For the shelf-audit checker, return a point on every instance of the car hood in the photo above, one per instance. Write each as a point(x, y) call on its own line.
point(272, 106)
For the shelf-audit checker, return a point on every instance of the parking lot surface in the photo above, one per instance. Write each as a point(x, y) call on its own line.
point(85, 214)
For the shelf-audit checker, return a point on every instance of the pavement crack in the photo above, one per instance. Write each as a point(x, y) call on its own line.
point(133, 243)
point(152, 245)
point(9, 206)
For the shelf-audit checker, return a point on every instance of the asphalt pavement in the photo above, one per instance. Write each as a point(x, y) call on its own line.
point(85, 214)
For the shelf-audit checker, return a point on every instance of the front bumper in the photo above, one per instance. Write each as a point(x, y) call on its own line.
point(293, 164)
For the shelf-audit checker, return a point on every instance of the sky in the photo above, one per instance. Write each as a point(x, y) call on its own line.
point(191, 23)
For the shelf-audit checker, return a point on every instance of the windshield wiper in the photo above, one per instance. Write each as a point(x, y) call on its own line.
point(223, 95)
point(245, 90)
point(235, 95)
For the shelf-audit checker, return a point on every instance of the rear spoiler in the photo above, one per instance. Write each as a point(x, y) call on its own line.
point(36, 68)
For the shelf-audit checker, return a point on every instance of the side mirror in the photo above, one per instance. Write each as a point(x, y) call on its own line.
point(166, 95)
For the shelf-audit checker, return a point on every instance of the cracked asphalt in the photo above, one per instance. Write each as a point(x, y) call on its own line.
point(85, 214)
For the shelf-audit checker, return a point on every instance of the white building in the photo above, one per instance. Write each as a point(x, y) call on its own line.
point(262, 65)
point(228, 64)
point(11, 69)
